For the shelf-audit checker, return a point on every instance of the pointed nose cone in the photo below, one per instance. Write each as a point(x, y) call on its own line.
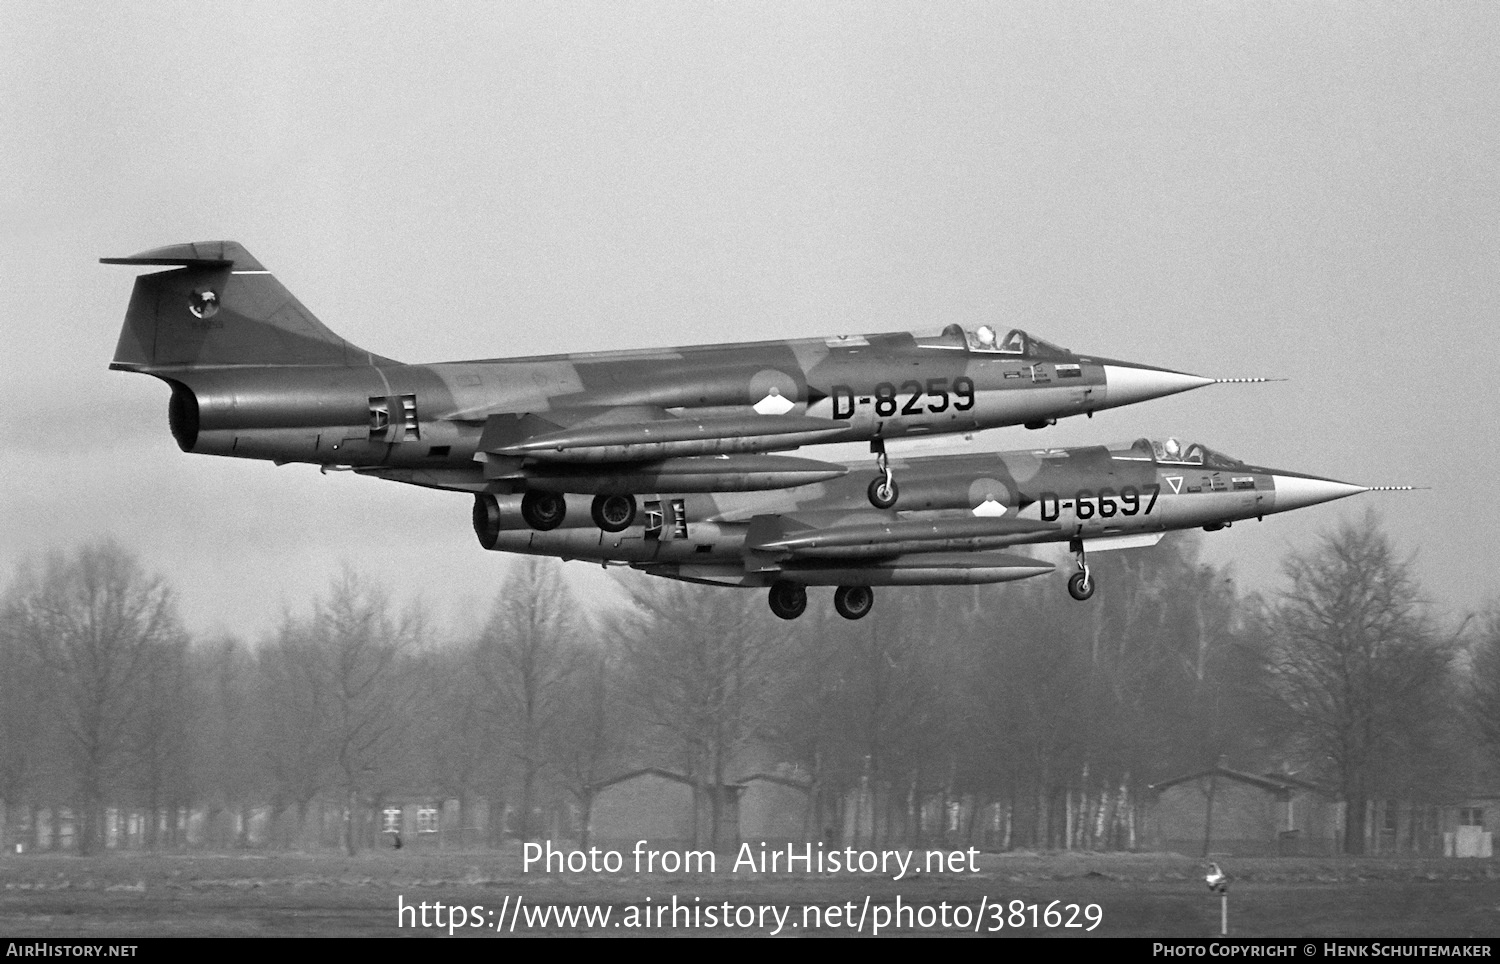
point(1297, 491)
point(1127, 384)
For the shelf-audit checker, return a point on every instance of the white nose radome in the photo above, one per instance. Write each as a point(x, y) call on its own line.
point(1124, 385)
point(1295, 492)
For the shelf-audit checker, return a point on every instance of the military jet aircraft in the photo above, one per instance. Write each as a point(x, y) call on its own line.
point(255, 375)
point(957, 513)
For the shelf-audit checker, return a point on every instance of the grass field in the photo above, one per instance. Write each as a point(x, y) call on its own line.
point(1138, 895)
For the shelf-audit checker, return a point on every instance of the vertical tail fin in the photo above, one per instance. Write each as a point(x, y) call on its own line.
point(220, 308)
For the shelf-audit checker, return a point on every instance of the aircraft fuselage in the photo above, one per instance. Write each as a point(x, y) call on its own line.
point(1093, 498)
point(431, 418)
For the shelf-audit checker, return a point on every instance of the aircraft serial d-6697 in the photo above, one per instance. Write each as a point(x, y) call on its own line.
point(255, 375)
point(957, 513)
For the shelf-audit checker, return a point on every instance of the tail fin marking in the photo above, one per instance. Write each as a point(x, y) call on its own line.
point(218, 308)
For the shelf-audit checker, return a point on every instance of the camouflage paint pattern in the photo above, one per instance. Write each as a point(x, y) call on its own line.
point(952, 508)
point(254, 374)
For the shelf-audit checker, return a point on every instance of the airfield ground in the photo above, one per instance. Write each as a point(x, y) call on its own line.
point(266, 894)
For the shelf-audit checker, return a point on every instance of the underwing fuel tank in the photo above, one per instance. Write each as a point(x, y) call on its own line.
point(769, 534)
point(726, 473)
point(925, 569)
point(675, 437)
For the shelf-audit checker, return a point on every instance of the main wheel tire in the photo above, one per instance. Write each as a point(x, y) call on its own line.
point(883, 494)
point(613, 513)
point(1080, 587)
point(854, 602)
point(543, 510)
point(788, 600)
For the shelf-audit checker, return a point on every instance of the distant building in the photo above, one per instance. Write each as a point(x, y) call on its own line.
point(421, 820)
point(659, 805)
point(1226, 811)
point(1469, 826)
point(776, 809)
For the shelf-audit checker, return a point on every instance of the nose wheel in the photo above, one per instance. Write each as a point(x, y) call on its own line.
point(1080, 584)
point(788, 600)
point(883, 491)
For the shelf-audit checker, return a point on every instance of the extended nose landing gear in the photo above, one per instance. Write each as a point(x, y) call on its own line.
point(1080, 584)
point(883, 491)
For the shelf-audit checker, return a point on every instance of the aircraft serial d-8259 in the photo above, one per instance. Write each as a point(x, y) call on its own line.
point(255, 375)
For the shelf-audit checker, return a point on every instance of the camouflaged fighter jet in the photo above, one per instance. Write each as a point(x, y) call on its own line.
point(957, 513)
point(255, 375)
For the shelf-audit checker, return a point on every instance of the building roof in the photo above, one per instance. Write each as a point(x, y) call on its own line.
point(657, 772)
point(1271, 782)
point(793, 782)
point(1292, 780)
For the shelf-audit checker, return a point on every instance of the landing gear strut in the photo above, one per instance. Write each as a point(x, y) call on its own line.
point(853, 602)
point(543, 510)
point(788, 600)
point(883, 491)
point(1080, 584)
point(613, 513)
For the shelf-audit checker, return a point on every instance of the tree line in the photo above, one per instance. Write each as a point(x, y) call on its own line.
point(1014, 701)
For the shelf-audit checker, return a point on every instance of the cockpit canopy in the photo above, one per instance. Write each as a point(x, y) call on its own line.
point(1015, 344)
point(1173, 452)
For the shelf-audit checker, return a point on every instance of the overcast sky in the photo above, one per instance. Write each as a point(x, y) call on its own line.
point(1306, 191)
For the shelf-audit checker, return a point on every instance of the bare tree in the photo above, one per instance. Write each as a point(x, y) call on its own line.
point(96, 622)
point(526, 656)
point(228, 768)
point(1357, 665)
point(370, 696)
point(161, 736)
point(813, 722)
point(292, 721)
point(24, 716)
point(588, 738)
point(1484, 683)
point(454, 730)
point(342, 697)
point(701, 669)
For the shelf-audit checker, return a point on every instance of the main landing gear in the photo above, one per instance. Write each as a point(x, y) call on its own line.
point(854, 602)
point(543, 510)
point(547, 510)
point(613, 513)
point(789, 600)
point(1080, 584)
point(883, 491)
